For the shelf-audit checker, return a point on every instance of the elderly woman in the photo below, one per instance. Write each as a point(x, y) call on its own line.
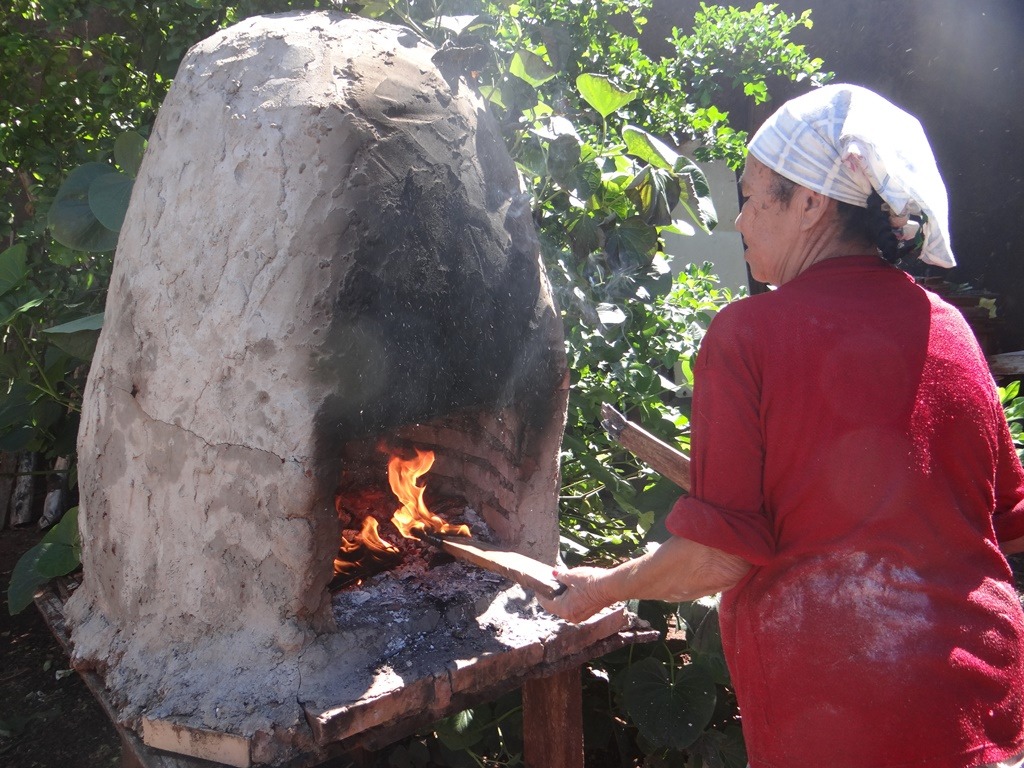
point(854, 482)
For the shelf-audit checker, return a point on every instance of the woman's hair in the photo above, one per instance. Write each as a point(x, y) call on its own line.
point(870, 223)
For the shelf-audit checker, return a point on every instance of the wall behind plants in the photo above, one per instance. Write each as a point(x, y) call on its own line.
point(957, 66)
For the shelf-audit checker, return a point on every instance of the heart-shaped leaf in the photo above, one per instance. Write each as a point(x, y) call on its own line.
point(71, 219)
point(602, 94)
point(62, 548)
point(58, 553)
point(698, 203)
point(530, 67)
point(78, 337)
point(15, 405)
point(584, 234)
point(13, 267)
point(9, 314)
point(463, 729)
point(25, 581)
point(129, 148)
point(671, 710)
point(632, 242)
point(648, 148)
point(108, 198)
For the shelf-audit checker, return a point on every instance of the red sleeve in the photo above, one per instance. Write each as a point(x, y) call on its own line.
point(726, 508)
point(1008, 517)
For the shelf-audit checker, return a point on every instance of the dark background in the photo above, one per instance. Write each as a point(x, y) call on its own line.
point(957, 67)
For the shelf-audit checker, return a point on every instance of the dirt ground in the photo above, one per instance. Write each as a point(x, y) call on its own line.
point(48, 718)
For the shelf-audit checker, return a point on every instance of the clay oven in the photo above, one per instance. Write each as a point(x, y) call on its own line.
point(326, 248)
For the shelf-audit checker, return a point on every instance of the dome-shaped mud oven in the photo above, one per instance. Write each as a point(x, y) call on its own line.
point(327, 265)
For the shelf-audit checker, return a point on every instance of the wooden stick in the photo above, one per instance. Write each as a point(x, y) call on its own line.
point(658, 455)
point(519, 568)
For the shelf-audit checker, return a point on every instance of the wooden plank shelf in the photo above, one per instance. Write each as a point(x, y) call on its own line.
point(1007, 365)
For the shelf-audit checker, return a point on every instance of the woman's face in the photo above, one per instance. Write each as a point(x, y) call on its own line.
point(768, 226)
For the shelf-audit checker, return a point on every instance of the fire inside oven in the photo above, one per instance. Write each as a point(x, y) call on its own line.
point(382, 528)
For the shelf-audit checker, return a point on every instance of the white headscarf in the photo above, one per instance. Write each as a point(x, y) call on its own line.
point(843, 141)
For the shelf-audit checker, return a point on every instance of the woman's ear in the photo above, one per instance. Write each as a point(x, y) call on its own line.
point(813, 207)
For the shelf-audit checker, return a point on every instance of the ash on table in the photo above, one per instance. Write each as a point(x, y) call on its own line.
point(448, 612)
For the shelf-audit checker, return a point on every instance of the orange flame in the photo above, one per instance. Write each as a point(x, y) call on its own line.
point(371, 536)
point(413, 515)
point(348, 559)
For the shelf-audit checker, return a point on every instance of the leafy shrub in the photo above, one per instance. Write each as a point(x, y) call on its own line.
point(1013, 407)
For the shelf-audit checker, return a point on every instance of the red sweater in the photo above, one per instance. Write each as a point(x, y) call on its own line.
point(848, 441)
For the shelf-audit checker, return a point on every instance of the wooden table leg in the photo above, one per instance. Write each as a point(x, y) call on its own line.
point(553, 721)
point(129, 757)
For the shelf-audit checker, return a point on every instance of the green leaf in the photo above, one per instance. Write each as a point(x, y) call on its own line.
point(492, 95)
point(456, 24)
point(78, 337)
point(531, 68)
point(128, 151)
point(585, 234)
point(648, 148)
point(25, 581)
point(16, 404)
point(586, 180)
point(77, 343)
point(597, 469)
point(670, 707)
point(87, 323)
point(563, 158)
point(463, 729)
point(109, 195)
point(18, 439)
point(632, 242)
point(704, 215)
point(558, 42)
point(655, 192)
point(720, 748)
point(22, 309)
point(602, 94)
point(13, 267)
point(370, 8)
point(71, 220)
point(610, 314)
point(732, 748)
point(680, 227)
point(1009, 392)
point(45, 413)
point(58, 553)
point(62, 547)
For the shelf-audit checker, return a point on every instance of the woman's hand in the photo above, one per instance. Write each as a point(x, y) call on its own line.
point(587, 593)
